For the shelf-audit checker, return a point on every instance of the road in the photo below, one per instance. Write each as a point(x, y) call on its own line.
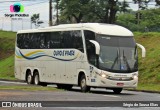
point(100, 95)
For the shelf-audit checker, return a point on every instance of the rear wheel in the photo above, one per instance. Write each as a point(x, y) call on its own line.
point(29, 78)
point(36, 79)
point(117, 90)
point(83, 85)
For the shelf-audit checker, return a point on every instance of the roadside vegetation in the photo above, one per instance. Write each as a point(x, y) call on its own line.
point(149, 67)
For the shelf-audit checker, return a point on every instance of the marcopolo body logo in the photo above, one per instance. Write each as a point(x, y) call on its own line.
point(17, 7)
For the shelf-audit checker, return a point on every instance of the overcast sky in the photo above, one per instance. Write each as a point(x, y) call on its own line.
point(31, 7)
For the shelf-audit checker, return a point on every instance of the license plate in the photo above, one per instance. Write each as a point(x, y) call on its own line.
point(120, 84)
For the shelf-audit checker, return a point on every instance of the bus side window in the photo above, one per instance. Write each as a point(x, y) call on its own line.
point(90, 48)
point(19, 40)
point(54, 40)
point(42, 41)
point(77, 40)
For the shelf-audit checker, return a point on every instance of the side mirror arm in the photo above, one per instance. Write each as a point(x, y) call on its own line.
point(143, 49)
point(97, 46)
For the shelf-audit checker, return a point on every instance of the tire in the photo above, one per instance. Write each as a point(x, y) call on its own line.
point(36, 79)
point(83, 85)
point(117, 90)
point(29, 78)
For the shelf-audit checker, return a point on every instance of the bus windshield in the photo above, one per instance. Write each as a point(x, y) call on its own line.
point(117, 54)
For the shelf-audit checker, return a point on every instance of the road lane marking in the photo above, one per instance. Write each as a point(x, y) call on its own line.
point(112, 96)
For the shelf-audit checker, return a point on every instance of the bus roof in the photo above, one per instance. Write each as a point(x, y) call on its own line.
point(99, 28)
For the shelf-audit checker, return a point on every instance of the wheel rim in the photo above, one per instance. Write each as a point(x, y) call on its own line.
point(36, 80)
point(29, 79)
point(83, 83)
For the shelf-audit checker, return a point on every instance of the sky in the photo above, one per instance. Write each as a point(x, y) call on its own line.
point(31, 7)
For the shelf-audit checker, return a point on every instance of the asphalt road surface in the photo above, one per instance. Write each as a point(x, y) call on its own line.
point(80, 101)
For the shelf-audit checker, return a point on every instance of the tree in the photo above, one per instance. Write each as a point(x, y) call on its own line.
point(57, 11)
point(90, 10)
point(73, 11)
point(104, 11)
point(35, 20)
point(150, 20)
point(123, 6)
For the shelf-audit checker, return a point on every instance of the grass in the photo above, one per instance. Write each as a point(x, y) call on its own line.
point(26, 88)
point(149, 67)
point(7, 68)
point(7, 34)
point(149, 87)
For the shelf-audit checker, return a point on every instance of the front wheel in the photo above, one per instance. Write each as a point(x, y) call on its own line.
point(83, 85)
point(117, 90)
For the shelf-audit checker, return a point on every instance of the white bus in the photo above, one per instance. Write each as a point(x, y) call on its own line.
point(86, 55)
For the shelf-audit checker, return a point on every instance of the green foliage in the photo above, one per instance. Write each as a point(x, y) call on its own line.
point(7, 68)
point(7, 45)
point(34, 18)
point(76, 11)
point(149, 67)
point(150, 20)
point(104, 11)
point(73, 11)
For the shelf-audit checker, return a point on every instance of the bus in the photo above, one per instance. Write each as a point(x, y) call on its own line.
point(86, 55)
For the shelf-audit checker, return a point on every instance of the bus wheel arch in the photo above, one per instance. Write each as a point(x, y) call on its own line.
point(29, 77)
point(36, 77)
point(82, 82)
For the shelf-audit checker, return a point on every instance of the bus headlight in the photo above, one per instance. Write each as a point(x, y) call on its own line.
point(135, 77)
point(103, 75)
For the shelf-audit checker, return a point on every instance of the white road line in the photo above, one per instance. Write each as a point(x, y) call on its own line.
point(112, 96)
point(8, 82)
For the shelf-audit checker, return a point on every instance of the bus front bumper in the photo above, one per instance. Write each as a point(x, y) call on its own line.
point(108, 83)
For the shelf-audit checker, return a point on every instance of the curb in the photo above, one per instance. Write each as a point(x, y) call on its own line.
point(147, 91)
point(12, 80)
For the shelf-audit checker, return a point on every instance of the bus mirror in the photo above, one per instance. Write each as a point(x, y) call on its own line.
point(143, 49)
point(97, 46)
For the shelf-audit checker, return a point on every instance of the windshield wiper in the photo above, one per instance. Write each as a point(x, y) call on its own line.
point(115, 59)
point(125, 60)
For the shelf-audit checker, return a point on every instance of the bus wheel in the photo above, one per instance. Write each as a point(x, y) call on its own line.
point(117, 90)
point(29, 78)
point(84, 87)
point(36, 79)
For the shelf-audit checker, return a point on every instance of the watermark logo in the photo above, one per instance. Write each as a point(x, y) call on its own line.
point(17, 10)
point(6, 104)
point(17, 7)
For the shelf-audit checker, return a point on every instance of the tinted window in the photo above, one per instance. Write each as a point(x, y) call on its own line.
point(51, 40)
point(90, 48)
